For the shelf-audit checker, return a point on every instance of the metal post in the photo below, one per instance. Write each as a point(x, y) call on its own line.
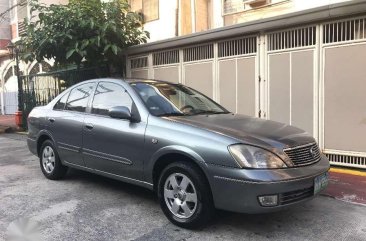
point(20, 84)
point(2, 97)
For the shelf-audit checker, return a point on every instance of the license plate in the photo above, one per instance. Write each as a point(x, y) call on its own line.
point(320, 182)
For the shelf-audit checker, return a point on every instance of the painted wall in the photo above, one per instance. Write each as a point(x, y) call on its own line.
point(282, 7)
point(165, 26)
point(4, 24)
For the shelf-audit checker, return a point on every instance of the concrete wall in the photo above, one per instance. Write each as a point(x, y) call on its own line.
point(4, 24)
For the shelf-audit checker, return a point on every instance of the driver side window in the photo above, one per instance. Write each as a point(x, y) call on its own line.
point(108, 95)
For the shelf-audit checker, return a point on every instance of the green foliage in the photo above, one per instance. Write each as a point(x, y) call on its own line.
point(86, 32)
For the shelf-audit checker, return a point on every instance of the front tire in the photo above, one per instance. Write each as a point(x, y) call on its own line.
point(185, 195)
point(50, 162)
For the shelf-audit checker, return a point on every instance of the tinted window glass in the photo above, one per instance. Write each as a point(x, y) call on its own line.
point(60, 105)
point(165, 99)
point(78, 98)
point(110, 95)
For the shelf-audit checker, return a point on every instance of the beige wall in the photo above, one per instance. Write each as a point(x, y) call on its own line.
point(280, 8)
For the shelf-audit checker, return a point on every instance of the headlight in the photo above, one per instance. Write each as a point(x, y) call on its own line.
point(255, 157)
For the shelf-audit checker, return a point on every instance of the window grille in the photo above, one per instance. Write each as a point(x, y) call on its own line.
point(289, 39)
point(138, 62)
point(347, 160)
point(166, 57)
point(347, 30)
point(198, 53)
point(238, 47)
point(21, 29)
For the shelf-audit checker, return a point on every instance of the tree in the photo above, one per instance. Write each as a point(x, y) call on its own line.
point(83, 32)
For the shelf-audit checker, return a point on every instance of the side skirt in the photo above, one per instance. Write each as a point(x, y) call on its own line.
point(147, 185)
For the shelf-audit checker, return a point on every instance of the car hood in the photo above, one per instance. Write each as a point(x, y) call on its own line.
point(249, 130)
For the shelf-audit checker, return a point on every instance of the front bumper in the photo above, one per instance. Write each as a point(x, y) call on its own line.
point(238, 190)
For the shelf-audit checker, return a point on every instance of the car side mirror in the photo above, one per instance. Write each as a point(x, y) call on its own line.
point(120, 112)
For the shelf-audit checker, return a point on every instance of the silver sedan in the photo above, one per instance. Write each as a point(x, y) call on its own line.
point(169, 138)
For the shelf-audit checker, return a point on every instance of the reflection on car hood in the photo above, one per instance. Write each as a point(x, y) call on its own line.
point(250, 130)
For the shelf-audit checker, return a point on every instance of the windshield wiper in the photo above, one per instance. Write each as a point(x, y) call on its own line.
point(171, 114)
point(210, 112)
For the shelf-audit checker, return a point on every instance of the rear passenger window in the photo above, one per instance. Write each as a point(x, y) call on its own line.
point(79, 97)
point(60, 105)
point(110, 95)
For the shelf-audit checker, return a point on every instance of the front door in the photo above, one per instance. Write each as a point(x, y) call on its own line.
point(111, 145)
point(66, 120)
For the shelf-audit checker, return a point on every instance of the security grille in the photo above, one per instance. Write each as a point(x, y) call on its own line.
point(21, 29)
point(303, 155)
point(347, 30)
point(347, 160)
point(137, 63)
point(166, 57)
point(295, 38)
point(198, 53)
point(238, 47)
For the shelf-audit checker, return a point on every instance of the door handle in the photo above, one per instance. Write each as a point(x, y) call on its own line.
point(51, 120)
point(89, 126)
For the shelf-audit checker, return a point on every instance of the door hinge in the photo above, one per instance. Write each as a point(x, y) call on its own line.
point(260, 114)
point(259, 78)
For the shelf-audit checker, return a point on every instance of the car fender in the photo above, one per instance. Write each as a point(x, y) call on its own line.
point(173, 149)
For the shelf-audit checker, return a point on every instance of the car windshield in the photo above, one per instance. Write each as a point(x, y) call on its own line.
point(165, 99)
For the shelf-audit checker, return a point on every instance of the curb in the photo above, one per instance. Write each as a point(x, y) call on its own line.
point(348, 171)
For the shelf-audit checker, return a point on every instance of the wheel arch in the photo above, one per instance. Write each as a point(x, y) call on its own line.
point(42, 137)
point(172, 154)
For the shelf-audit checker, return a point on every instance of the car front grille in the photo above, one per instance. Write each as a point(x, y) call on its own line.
point(303, 155)
point(294, 196)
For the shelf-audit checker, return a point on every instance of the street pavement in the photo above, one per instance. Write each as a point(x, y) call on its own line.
point(85, 207)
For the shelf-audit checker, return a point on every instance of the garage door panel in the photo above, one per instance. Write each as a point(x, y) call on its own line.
point(344, 98)
point(227, 83)
point(302, 98)
point(279, 92)
point(246, 86)
point(144, 74)
point(170, 74)
point(200, 77)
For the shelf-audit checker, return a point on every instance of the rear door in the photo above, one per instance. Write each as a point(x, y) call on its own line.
point(66, 122)
point(113, 145)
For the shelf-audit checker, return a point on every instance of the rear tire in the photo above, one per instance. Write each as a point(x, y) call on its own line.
point(185, 195)
point(50, 162)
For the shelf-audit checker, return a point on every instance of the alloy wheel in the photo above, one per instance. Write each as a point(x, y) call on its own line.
point(180, 195)
point(48, 159)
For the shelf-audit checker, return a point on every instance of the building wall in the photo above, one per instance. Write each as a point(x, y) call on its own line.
point(4, 25)
point(279, 7)
point(164, 27)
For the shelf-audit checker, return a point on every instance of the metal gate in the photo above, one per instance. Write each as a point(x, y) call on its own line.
point(343, 78)
point(291, 67)
point(237, 67)
point(10, 102)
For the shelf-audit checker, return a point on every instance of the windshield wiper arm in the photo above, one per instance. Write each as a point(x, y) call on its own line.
point(171, 114)
point(211, 112)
